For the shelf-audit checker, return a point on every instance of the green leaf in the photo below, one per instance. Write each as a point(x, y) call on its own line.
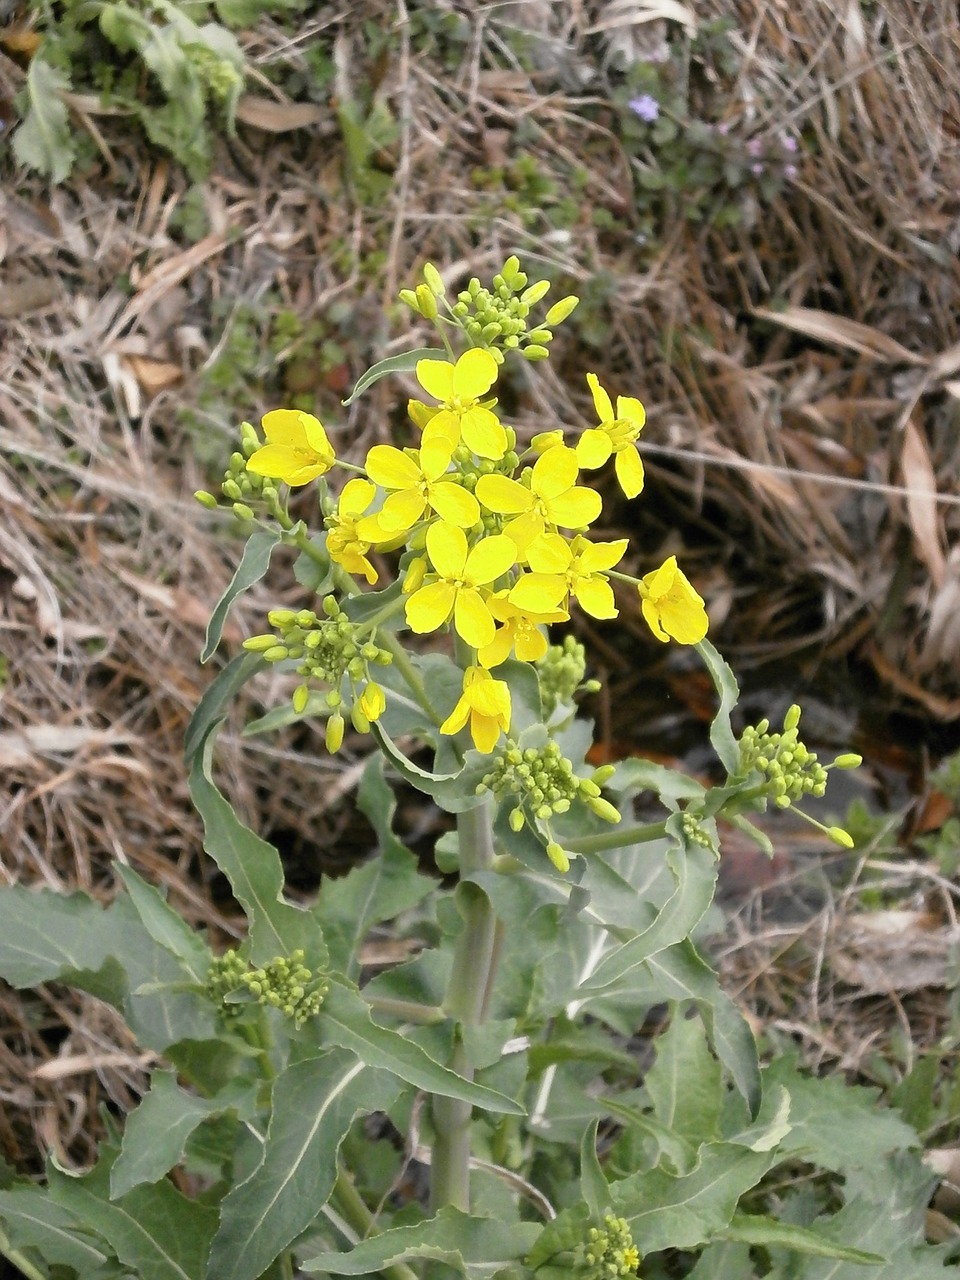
point(563, 1234)
point(685, 1084)
point(316, 571)
point(46, 935)
point(168, 929)
point(314, 1104)
point(210, 709)
point(749, 1228)
point(33, 1220)
point(593, 1185)
point(156, 1133)
point(345, 1020)
point(474, 1247)
point(349, 906)
point(157, 1232)
point(667, 1210)
point(695, 874)
point(722, 737)
point(836, 1125)
point(406, 362)
point(254, 563)
point(679, 973)
point(255, 873)
point(44, 141)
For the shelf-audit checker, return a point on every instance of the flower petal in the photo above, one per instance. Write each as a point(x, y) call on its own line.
point(283, 426)
point(401, 511)
point(629, 468)
point(597, 557)
point(458, 717)
point(435, 453)
point(474, 374)
point(595, 596)
point(593, 448)
point(601, 400)
point(490, 559)
point(482, 431)
point(531, 643)
point(356, 496)
point(454, 504)
point(391, 468)
point(485, 732)
point(436, 378)
point(576, 508)
point(430, 607)
point(554, 472)
point(293, 465)
point(549, 554)
point(539, 592)
point(316, 437)
point(447, 549)
point(504, 496)
point(472, 618)
point(498, 650)
point(630, 408)
point(652, 618)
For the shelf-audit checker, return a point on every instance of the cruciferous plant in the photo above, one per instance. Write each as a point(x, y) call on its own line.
point(551, 1081)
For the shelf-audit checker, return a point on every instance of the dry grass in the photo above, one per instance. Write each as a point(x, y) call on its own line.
point(801, 375)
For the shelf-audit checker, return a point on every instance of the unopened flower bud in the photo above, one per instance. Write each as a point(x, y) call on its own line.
point(434, 279)
point(539, 289)
point(334, 734)
point(427, 302)
point(792, 718)
point(604, 809)
point(206, 499)
point(849, 760)
point(259, 644)
point(359, 720)
point(410, 298)
point(840, 837)
point(558, 857)
point(300, 698)
point(560, 310)
point(535, 352)
point(516, 820)
point(242, 511)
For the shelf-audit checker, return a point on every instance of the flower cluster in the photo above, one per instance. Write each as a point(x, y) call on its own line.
point(285, 983)
point(545, 784)
point(494, 319)
point(331, 650)
point(789, 769)
point(561, 670)
point(609, 1252)
point(496, 542)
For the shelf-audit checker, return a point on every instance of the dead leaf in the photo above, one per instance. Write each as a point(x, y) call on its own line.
point(154, 375)
point(840, 331)
point(277, 117)
point(920, 481)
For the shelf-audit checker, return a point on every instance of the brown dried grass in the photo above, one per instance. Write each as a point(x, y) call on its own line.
point(799, 374)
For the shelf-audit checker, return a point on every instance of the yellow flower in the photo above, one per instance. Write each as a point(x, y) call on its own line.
point(616, 435)
point(373, 701)
point(521, 633)
point(461, 573)
point(344, 544)
point(486, 704)
point(418, 486)
point(459, 389)
point(671, 606)
point(297, 448)
point(560, 569)
point(552, 499)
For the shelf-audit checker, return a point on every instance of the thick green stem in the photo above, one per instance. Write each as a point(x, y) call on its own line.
point(424, 1015)
point(351, 1205)
point(466, 997)
point(16, 1259)
point(619, 838)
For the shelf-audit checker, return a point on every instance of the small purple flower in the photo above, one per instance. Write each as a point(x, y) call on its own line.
point(646, 107)
point(756, 168)
point(790, 172)
point(788, 142)
point(755, 147)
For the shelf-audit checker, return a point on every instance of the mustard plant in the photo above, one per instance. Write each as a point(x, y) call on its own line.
point(490, 1106)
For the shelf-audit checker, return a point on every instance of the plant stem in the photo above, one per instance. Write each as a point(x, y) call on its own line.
point(466, 996)
point(424, 1015)
point(16, 1259)
point(619, 838)
point(401, 660)
point(350, 1204)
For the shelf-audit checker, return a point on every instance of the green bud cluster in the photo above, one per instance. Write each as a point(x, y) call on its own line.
point(497, 318)
point(285, 983)
point(791, 771)
point(544, 782)
point(327, 650)
point(695, 832)
point(609, 1251)
point(561, 671)
point(242, 488)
